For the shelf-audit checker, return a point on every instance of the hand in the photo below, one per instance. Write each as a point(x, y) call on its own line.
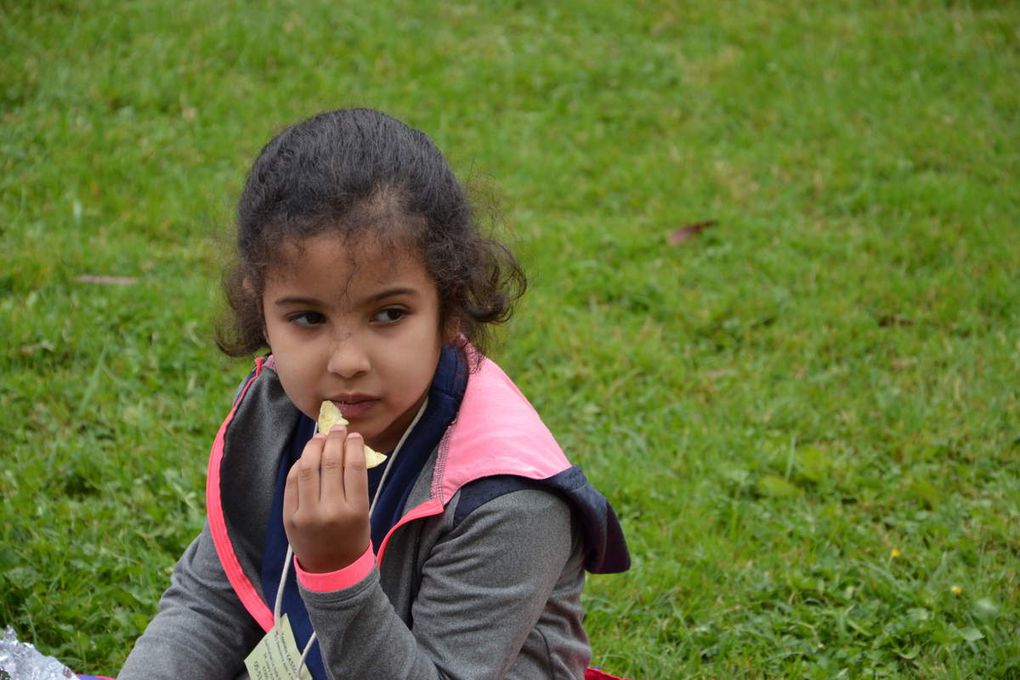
point(325, 502)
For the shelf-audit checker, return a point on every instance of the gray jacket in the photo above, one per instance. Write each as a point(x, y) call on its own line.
point(471, 583)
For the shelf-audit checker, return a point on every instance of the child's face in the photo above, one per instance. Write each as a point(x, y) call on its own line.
point(360, 328)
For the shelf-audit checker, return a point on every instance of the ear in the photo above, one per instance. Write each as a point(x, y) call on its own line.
point(451, 329)
point(248, 285)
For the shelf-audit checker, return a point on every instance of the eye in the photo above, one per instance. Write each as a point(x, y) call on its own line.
point(306, 319)
point(389, 315)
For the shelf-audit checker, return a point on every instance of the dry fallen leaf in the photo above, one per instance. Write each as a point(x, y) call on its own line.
point(689, 231)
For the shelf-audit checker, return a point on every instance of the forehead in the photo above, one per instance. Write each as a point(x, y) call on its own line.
point(331, 260)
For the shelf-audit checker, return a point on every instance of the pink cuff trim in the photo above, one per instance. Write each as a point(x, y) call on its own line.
point(329, 581)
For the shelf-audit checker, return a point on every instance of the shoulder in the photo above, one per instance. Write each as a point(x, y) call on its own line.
point(506, 529)
point(513, 513)
point(563, 503)
point(507, 490)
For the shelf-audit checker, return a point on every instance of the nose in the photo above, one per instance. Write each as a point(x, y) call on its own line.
point(348, 358)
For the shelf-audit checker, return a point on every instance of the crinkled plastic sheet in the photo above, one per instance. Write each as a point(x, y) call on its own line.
point(22, 661)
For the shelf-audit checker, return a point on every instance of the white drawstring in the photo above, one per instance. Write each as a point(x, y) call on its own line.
point(279, 589)
point(393, 456)
point(371, 508)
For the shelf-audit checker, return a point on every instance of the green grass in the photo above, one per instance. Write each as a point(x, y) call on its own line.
point(827, 375)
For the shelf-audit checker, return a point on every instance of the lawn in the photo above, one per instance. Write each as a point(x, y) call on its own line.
point(806, 414)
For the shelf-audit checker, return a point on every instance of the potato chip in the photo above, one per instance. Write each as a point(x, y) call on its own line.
point(330, 415)
point(373, 457)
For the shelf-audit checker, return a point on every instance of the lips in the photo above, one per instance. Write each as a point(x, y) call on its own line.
point(355, 406)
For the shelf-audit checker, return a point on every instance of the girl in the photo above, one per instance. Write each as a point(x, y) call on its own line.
point(463, 555)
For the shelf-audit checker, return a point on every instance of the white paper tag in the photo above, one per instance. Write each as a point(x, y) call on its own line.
point(276, 656)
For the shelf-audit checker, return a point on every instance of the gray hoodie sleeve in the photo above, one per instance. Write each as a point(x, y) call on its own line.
point(201, 630)
point(484, 586)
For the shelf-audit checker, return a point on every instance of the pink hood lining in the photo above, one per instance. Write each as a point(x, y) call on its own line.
point(246, 592)
point(497, 432)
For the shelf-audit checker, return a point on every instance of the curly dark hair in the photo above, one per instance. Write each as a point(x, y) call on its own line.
point(360, 172)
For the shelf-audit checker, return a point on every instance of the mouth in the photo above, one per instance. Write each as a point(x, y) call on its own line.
point(355, 405)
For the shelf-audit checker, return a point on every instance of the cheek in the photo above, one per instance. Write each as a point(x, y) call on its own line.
point(298, 388)
point(296, 368)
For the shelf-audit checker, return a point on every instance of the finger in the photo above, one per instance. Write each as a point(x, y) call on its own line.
point(308, 470)
point(355, 473)
point(332, 469)
point(291, 493)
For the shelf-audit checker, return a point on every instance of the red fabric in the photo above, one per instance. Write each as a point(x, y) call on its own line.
point(596, 674)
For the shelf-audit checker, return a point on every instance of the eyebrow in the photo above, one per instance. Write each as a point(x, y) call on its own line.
point(296, 300)
point(391, 292)
point(293, 300)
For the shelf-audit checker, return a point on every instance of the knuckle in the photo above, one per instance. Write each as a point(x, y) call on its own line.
point(292, 523)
